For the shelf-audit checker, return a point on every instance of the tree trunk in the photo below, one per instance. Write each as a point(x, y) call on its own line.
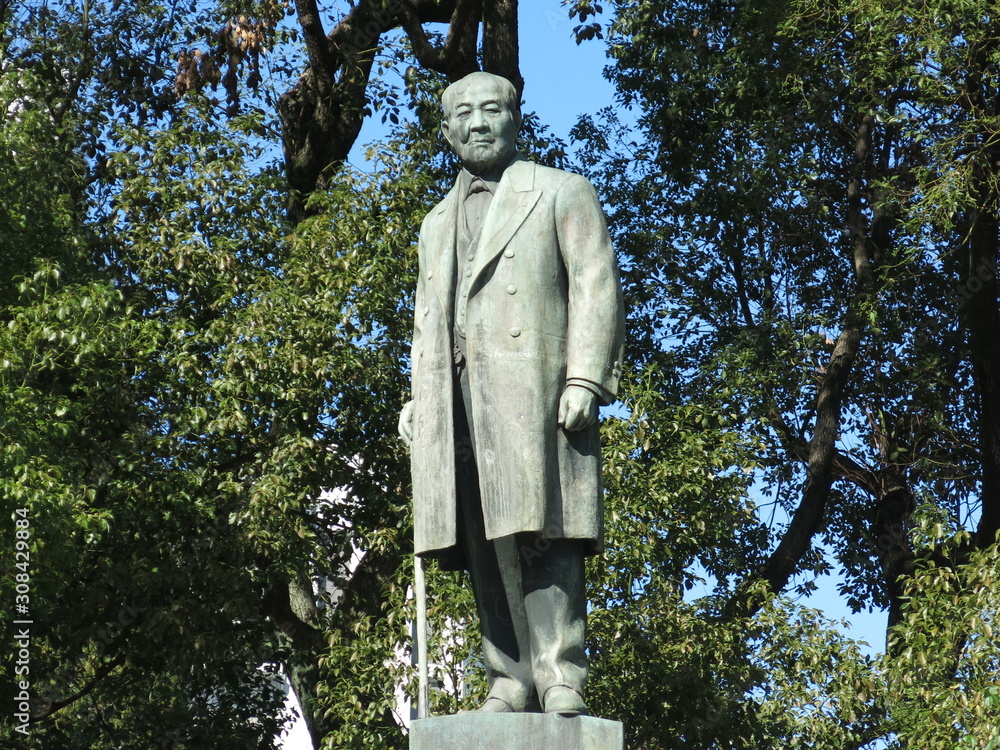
point(983, 323)
point(891, 529)
point(500, 50)
point(808, 517)
point(289, 605)
point(982, 314)
point(322, 114)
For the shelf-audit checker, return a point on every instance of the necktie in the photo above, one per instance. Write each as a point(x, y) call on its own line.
point(476, 204)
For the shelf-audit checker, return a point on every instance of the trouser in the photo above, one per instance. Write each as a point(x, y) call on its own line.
point(529, 590)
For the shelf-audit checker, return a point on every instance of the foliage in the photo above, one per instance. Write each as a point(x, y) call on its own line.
point(149, 612)
point(198, 395)
point(680, 522)
point(38, 166)
point(944, 677)
point(170, 339)
point(805, 210)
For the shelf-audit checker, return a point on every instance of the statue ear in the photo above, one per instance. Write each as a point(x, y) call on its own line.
point(446, 132)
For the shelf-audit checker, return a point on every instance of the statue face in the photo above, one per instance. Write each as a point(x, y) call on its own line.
point(480, 127)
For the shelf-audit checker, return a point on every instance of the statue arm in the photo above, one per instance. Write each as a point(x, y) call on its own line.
point(595, 310)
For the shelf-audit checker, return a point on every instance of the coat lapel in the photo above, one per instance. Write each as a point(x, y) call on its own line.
point(514, 200)
point(509, 208)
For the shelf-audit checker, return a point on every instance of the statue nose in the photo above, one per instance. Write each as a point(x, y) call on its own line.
point(479, 123)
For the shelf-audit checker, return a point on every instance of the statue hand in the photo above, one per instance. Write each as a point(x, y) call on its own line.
point(406, 423)
point(577, 408)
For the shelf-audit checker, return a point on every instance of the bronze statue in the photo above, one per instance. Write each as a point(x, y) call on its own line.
point(517, 340)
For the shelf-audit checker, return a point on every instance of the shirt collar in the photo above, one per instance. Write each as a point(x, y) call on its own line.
point(490, 178)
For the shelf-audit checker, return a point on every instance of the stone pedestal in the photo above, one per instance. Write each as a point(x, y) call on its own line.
point(489, 731)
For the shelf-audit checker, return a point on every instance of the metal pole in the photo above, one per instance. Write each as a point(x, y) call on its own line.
point(420, 593)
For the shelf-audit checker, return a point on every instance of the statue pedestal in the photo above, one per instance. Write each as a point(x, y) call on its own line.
point(489, 731)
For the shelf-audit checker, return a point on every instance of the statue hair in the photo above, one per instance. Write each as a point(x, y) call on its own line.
point(508, 94)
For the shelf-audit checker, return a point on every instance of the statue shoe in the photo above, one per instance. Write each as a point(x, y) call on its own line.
point(565, 701)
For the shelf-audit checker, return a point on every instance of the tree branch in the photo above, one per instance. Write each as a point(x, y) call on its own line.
point(321, 60)
point(457, 57)
point(808, 516)
point(735, 265)
point(277, 605)
point(983, 323)
point(322, 114)
point(822, 453)
point(50, 707)
point(844, 466)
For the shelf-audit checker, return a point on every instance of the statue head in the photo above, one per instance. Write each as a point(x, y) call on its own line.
point(481, 119)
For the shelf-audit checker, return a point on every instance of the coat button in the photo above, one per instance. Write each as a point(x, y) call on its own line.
point(515, 332)
point(430, 274)
point(508, 253)
point(426, 310)
point(511, 289)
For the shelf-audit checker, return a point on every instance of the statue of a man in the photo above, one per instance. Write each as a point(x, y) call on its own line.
point(517, 340)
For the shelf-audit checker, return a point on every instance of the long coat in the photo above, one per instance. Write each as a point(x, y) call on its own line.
point(545, 306)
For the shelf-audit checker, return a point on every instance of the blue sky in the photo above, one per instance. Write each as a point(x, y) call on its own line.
point(562, 80)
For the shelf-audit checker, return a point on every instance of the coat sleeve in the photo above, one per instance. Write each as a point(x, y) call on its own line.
point(595, 325)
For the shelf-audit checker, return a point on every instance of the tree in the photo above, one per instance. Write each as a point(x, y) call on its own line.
point(323, 112)
point(806, 218)
point(160, 352)
point(147, 634)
